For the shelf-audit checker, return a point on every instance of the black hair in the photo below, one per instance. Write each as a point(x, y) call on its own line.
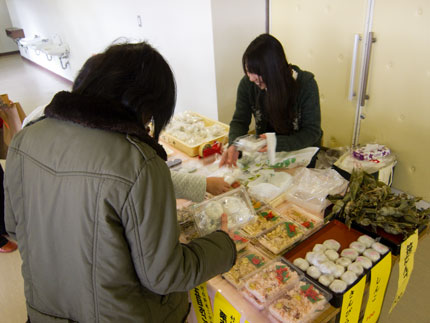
point(134, 75)
point(265, 57)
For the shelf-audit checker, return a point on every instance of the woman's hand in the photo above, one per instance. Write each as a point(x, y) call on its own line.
point(264, 149)
point(216, 185)
point(229, 157)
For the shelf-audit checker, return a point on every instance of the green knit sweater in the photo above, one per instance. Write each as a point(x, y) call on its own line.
point(250, 102)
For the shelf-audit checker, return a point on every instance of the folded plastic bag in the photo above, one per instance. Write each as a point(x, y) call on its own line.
point(311, 186)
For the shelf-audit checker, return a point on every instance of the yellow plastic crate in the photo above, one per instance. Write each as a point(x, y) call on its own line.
point(196, 150)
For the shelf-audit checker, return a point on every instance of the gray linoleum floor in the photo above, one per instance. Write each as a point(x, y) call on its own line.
point(33, 86)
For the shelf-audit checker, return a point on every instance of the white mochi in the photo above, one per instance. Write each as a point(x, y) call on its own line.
point(314, 272)
point(364, 261)
point(379, 247)
point(301, 263)
point(338, 286)
point(349, 253)
point(332, 244)
point(356, 268)
point(349, 277)
point(345, 262)
point(331, 254)
point(360, 247)
point(366, 240)
point(326, 279)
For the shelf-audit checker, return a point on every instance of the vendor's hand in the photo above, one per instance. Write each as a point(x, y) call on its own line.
point(216, 185)
point(224, 225)
point(264, 149)
point(229, 157)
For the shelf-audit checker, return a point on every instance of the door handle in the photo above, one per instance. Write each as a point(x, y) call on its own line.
point(363, 96)
point(351, 93)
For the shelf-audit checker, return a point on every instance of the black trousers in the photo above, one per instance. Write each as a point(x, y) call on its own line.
point(3, 240)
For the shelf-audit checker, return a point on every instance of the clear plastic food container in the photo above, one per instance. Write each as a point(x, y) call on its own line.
point(250, 261)
point(240, 239)
point(281, 237)
point(266, 219)
point(276, 277)
point(236, 204)
point(301, 304)
point(307, 220)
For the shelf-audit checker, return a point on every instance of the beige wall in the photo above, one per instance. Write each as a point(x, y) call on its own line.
point(318, 36)
point(235, 25)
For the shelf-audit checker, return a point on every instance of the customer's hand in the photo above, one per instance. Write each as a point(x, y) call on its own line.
point(229, 157)
point(216, 185)
point(224, 225)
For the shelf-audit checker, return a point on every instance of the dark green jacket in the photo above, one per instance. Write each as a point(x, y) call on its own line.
point(250, 102)
point(94, 213)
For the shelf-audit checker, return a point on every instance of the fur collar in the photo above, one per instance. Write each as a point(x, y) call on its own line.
point(98, 113)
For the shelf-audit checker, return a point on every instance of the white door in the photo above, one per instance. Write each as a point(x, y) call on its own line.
point(318, 36)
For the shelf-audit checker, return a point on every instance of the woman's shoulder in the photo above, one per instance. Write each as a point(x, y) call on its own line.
point(302, 75)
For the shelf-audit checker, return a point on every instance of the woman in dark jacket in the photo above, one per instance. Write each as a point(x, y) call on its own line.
point(281, 97)
point(90, 200)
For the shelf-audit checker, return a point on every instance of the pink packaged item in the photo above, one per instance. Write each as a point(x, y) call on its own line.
point(371, 152)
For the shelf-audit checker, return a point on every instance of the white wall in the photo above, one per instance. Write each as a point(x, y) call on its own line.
point(180, 30)
point(235, 25)
point(6, 43)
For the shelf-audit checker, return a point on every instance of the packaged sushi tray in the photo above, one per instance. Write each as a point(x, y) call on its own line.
point(266, 219)
point(266, 284)
point(249, 260)
point(281, 237)
point(310, 222)
point(301, 304)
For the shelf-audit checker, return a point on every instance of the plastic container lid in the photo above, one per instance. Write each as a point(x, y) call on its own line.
point(267, 283)
point(249, 262)
point(301, 304)
point(281, 237)
point(236, 204)
point(266, 219)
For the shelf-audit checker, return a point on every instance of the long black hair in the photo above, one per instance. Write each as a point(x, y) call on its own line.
point(136, 76)
point(265, 57)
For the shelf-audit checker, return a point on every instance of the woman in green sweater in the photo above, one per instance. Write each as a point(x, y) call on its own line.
point(281, 97)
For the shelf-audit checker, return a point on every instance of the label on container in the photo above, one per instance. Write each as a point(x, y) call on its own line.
point(224, 312)
point(202, 304)
point(379, 276)
point(351, 303)
point(406, 265)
